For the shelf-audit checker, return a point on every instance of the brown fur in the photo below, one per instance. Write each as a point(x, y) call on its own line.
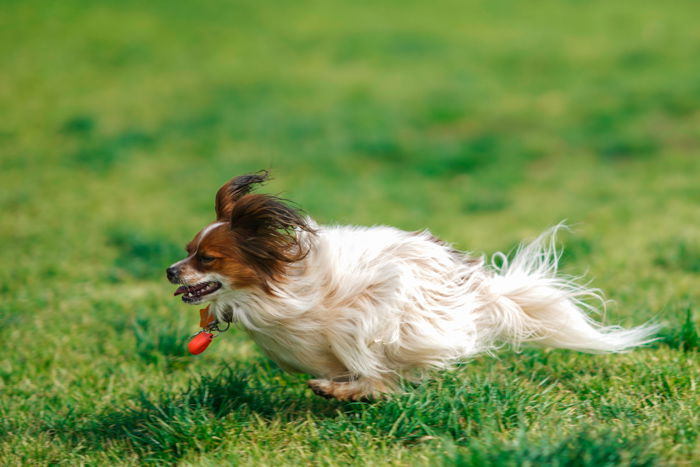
point(264, 232)
point(257, 240)
point(235, 189)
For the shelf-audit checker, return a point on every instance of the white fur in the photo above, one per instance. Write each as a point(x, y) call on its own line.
point(370, 305)
point(206, 231)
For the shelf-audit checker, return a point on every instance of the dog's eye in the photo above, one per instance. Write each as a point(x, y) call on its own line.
point(206, 259)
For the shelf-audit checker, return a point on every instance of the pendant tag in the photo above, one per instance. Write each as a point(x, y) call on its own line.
point(200, 342)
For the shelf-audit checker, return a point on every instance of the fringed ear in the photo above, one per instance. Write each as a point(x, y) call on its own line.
point(266, 230)
point(235, 189)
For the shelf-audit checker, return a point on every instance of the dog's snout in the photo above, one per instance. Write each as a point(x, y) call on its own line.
point(172, 273)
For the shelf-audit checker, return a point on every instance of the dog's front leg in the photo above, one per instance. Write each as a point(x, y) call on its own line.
point(353, 390)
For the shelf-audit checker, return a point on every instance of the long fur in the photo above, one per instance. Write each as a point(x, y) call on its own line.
point(364, 307)
point(360, 308)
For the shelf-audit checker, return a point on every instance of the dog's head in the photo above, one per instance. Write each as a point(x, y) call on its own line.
point(254, 239)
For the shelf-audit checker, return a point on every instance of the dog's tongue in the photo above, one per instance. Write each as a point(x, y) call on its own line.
point(181, 289)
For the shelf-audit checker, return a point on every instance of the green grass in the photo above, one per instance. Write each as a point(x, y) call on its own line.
point(485, 121)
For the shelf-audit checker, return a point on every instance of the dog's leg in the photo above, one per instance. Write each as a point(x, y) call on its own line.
point(354, 390)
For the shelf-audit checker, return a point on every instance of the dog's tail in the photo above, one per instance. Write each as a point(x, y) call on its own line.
point(532, 303)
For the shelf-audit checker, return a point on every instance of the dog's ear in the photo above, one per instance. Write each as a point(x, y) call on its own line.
point(266, 232)
point(235, 189)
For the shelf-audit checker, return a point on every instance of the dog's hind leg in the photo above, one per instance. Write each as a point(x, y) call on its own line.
point(353, 390)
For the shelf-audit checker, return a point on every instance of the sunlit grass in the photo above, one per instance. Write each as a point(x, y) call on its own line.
point(486, 122)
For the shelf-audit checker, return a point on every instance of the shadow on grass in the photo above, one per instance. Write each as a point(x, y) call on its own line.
point(165, 427)
point(481, 415)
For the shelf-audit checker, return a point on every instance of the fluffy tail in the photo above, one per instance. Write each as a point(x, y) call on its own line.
point(534, 304)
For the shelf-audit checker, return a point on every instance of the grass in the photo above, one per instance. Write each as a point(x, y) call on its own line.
point(485, 121)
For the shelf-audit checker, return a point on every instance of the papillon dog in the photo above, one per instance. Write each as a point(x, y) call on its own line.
point(361, 308)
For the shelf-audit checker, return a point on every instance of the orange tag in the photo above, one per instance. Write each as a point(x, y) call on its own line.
point(205, 319)
point(200, 342)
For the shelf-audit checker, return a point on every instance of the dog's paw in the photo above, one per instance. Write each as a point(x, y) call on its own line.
point(321, 387)
point(341, 390)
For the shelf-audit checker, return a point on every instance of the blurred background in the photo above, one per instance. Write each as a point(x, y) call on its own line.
point(485, 121)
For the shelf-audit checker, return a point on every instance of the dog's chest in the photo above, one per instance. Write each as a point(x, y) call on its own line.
point(299, 352)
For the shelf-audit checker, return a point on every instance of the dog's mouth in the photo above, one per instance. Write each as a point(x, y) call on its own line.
point(196, 293)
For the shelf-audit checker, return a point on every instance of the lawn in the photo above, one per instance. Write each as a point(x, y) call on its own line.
point(486, 122)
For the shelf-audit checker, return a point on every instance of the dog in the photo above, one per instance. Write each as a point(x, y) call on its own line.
point(361, 308)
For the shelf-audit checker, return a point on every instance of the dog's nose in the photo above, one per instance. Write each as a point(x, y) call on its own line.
point(171, 272)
